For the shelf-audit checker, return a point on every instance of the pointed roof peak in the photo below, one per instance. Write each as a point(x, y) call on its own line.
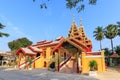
point(81, 25)
point(73, 18)
point(81, 22)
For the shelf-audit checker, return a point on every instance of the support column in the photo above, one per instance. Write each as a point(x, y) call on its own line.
point(83, 62)
point(58, 61)
point(103, 61)
point(77, 63)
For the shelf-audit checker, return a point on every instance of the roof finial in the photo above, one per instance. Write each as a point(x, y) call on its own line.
point(73, 18)
point(81, 22)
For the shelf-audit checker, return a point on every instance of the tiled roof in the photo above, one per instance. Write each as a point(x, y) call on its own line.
point(114, 55)
point(35, 49)
point(28, 51)
point(48, 43)
point(25, 51)
point(58, 38)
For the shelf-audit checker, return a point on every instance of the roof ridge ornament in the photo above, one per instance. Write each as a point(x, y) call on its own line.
point(81, 22)
point(73, 18)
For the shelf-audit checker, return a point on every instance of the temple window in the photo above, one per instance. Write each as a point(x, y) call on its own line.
point(53, 53)
point(75, 30)
point(45, 64)
point(44, 54)
point(38, 54)
point(76, 34)
point(88, 45)
point(69, 35)
point(64, 55)
point(83, 36)
point(78, 38)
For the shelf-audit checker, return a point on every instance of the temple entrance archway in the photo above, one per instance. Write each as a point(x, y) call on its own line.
point(71, 66)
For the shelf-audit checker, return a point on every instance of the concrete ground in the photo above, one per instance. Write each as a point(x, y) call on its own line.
point(110, 74)
point(39, 74)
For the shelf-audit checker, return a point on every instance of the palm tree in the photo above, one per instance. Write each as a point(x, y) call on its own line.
point(111, 32)
point(1, 33)
point(118, 25)
point(99, 35)
point(117, 49)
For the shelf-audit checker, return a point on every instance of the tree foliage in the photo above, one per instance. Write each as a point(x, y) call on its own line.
point(99, 35)
point(117, 49)
point(79, 5)
point(1, 33)
point(106, 51)
point(93, 65)
point(118, 25)
point(21, 42)
point(111, 31)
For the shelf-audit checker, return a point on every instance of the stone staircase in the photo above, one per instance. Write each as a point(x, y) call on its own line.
point(69, 67)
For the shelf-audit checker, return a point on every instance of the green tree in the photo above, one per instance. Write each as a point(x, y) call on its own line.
point(118, 25)
point(106, 51)
point(22, 42)
point(99, 35)
point(1, 33)
point(79, 5)
point(111, 32)
point(117, 49)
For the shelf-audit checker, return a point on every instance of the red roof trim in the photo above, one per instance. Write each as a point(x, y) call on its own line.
point(60, 43)
point(42, 41)
point(20, 49)
point(33, 49)
point(114, 55)
point(45, 45)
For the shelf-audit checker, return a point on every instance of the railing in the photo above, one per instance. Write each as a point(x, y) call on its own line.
point(64, 62)
point(27, 63)
point(23, 65)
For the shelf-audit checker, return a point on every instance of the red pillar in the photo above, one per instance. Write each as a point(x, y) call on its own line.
point(77, 68)
point(34, 65)
point(58, 61)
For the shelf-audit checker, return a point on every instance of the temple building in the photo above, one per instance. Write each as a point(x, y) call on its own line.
point(68, 55)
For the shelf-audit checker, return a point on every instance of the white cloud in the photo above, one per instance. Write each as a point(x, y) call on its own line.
point(12, 29)
point(18, 31)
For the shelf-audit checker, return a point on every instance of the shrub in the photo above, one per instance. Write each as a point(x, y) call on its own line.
point(93, 65)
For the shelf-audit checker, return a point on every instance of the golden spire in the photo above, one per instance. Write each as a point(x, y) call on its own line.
point(73, 18)
point(81, 22)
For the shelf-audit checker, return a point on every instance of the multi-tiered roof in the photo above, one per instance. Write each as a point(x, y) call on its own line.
point(78, 33)
point(76, 37)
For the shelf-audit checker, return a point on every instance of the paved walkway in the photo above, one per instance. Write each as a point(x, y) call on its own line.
point(39, 74)
point(110, 74)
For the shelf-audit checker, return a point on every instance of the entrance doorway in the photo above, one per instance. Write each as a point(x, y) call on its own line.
point(38, 54)
point(45, 64)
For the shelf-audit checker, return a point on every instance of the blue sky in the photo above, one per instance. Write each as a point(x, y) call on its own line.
point(24, 18)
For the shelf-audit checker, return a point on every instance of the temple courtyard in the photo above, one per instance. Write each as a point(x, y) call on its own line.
point(43, 74)
point(110, 74)
point(39, 74)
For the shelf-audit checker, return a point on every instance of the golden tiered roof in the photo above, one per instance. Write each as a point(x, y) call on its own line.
point(78, 33)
